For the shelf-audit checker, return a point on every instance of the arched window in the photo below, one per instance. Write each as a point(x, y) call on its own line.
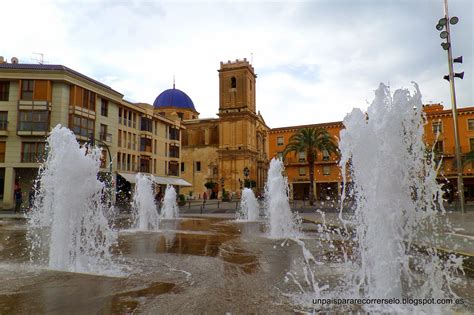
point(233, 82)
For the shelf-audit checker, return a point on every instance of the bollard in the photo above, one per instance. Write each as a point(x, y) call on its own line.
point(217, 204)
point(201, 208)
point(189, 204)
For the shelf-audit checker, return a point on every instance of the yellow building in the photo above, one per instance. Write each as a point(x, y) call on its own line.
point(34, 98)
point(217, 150)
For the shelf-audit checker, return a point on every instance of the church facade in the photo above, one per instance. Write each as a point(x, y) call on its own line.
point(225, 153)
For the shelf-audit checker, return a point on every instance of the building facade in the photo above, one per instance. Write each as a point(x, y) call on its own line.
point(439, 136)
point(217, 150)
point(34, 98)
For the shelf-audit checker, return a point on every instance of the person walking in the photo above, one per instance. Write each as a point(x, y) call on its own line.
point(18, 199)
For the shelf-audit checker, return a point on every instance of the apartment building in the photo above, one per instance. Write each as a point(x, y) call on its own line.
point(36, 97)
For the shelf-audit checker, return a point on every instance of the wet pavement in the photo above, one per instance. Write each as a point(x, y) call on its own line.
point(209, 264)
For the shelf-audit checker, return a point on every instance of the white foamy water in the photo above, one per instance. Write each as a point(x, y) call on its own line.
point(143, 205)
point(249, 206)
point(69, 216)
point(169, 209)
point(396, 194)
point(282, 223)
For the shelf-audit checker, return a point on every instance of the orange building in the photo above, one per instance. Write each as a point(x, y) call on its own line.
point(327, 175)
point(328, 179)
point(441, 120)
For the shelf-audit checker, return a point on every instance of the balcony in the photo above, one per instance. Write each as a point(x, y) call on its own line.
point(34, 105)
point(29, 128)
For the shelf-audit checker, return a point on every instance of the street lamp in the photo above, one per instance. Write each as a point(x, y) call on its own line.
point(246, 174)
point(222, 185)
point(92, 142)
point(444, 27)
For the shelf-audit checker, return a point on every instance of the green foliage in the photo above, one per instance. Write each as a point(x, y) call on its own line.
point(210, 185)
point(182, 198)
point(250, 183)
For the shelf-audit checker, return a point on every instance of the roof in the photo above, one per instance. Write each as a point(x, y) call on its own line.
point(174, 98)
point(48, 67)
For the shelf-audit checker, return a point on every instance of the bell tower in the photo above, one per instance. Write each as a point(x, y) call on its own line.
point(238, 123)
point(236, 87)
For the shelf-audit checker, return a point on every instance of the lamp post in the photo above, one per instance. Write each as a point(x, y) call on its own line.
point(246, 174)
point(444, 23)
point(92, 142)
point(222, 185)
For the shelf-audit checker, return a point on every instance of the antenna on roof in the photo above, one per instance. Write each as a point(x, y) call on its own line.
point(173, 81)
point(251, 58)
point(39, 60)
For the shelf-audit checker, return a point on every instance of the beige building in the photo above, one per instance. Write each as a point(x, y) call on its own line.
point(217, 150)
point(34, 98)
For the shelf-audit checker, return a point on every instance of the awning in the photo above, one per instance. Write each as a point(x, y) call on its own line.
point(157, 179)
point(128, 177)
point(170, 181)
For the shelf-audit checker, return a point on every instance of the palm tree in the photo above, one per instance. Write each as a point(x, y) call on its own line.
point(310, 141)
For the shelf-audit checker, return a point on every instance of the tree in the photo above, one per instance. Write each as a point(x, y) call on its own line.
point(310, 141)
point(468, 158)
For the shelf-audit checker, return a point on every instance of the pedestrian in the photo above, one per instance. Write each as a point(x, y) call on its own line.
point(18, 199)
point(31, 198)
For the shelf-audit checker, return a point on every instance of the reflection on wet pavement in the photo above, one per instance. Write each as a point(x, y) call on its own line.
point(189, 266)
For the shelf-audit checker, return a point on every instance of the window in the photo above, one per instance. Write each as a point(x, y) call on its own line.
point(174, 151)
point(173, 133)
point(81, 97)
point(145, 145)
point(471, 143)
point(437, 127)
point(2, 151)
point(182, 167)
point(146, 124)
point(145, 164)
point(4, 90)
point(233, 83)
point(198, 166)
point(280, 141)
point(36, 120)
point(181, 115)
point(103, 135)
point(326, 170)
point(173, 168)
point(302, 156)
point(302, 171)
point(438, 147)
point(27, 87)
point(32, 152)
point(325, 155)
point(82, 126)
point(470, 124)
point(3, 120)
point(120, 116)
point(104, 107)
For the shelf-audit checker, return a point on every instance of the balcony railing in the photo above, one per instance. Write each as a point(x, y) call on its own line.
point(32, 126)
point(3, 125)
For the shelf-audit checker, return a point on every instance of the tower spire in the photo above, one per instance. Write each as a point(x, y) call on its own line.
point(174, 82)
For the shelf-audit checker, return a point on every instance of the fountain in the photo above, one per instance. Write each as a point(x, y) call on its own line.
point(282, 222)
point(397, 197)
point(143, 205)
point(68, 216)
point(249, 207)
point(170, 209)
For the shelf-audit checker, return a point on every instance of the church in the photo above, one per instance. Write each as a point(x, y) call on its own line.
point(227, 153)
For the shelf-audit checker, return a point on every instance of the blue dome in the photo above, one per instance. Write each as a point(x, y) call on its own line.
point(174, 98)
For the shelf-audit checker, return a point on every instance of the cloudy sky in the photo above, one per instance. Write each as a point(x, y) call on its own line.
point(315, 60)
